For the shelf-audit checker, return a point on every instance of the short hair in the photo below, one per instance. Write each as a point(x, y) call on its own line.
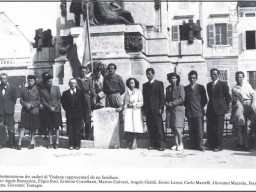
point(83, 67)
point(72, 79)
point(169, 75)
point(151, 69)
point(112, 64)
point(193, 72)
point(3, 74)
point(31, 77)
point(48, 77)
point(214, 69)
point(137, 84)
point(44, 74)
point(240, 72)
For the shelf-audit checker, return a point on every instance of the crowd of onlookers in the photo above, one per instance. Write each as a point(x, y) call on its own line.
point(93, 89)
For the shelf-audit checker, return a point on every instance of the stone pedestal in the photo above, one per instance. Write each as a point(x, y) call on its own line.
point(196, 48)
point(106, 128)
point(58, 71)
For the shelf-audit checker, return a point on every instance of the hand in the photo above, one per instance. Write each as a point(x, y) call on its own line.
point(130, 105)
point(41, 106)
point(53, 109)
point(160, 111)
point(28, 105)
point(94, 101)
point(119, 109)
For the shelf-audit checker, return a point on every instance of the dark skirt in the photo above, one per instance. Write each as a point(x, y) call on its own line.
point(53, 120)
point(30, 121)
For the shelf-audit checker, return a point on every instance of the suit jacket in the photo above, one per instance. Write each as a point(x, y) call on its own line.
point(74, 108)
point(219, 98)
point(153, 97)
point(87, 89)
point(52, 99)
point(32, 97)
point(195, 101)
point(8, 101)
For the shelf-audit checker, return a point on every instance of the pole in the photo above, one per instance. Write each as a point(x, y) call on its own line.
point(88, 31)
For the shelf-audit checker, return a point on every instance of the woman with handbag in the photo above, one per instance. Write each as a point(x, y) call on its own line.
point(175, 112)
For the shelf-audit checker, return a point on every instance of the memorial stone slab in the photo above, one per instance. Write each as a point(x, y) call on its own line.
point(106, 128)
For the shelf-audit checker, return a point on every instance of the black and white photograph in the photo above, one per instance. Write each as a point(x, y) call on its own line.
point(127, 95)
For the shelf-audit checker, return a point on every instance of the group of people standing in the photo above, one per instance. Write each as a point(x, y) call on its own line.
point(41, 107)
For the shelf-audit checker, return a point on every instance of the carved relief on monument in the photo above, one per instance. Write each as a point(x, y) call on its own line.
point(133, 42)
point(67, 42)
point(190, 31)
point(43, 39)
point(101, 13)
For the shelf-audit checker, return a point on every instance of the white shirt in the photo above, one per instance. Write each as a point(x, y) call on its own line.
point(3, 91)
point(152, 81)
point(72, 91)
point(215, 82)
point(243, 91)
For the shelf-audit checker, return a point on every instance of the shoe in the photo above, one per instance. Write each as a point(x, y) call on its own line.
point(12, 147)
point(201, 149)
point(150, 148)
point(31, 146)
point(161, 149)
point(56, 146)
point(49, 146)
point(217, 149)
point(77, 148)
point(18, 147)
point(1, 146)
point(180, 148)
point(71, 148)
point(174, 147)
point(132, 148)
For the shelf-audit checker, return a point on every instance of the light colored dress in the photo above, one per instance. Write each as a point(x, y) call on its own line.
point(133, 118)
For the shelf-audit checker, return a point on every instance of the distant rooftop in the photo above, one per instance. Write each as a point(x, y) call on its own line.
point(246, 3)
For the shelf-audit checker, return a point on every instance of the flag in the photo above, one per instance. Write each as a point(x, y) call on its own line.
point(82, 43)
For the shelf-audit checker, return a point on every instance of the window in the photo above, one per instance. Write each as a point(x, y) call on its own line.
point(252, 78)
point(249, 14)
point(250, 40)
point(224, 75)
point(220, 34)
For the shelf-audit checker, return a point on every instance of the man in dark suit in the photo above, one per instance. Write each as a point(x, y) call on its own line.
point(7, 105)
point(195, 101)
point(84, 83)
point(73, 103)
point(218, 106)
point(153, 96)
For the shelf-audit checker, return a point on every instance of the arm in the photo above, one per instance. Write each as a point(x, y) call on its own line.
point(181, 98)
point(161, 97)
point(22, 102)
point(14, 95)
point(58, 97)
point(204, 99)
point(139, 103)
point(92, 92)
point(226, 94)
point(64, 101)
point(44, 102)
point(122, 86)
point(36, 103)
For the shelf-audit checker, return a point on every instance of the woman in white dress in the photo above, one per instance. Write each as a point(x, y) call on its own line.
point(133, 118)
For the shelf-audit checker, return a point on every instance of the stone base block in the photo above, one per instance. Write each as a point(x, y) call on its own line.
point(106, 128)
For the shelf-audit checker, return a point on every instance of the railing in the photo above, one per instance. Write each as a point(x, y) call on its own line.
point(15, 61)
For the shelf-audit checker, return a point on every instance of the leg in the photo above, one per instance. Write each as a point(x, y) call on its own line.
point(70, 132)
point(191, 128)
point(21, 135)
point(50, 139)
point(198, 125)
point(150, 127)
point(159, 129)
point(134, 142)
point(129, 139)
point(219, 131)
point(176, 139)
point(32, 142)
point(179, 137)
point(211, 124)
point(77, 124)
point(10, 124)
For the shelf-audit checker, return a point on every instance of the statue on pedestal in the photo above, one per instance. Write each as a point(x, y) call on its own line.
point(191, 30)
point(43, 39)
point(101, 13)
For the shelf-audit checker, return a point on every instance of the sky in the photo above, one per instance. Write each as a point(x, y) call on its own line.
point(30, 16)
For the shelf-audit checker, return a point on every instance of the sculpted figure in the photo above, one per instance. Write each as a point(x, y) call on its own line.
point(101, 13)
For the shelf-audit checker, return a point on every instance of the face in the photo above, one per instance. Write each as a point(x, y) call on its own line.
point(84, 72)
point(49, 83)
point(239, 78)
point(72, 84)
point(214, 75)
point(132, 84)
point(3, 79)
point(150, 75)
point(97, 74)
point(31, 82)
point(111, 69)
point(192, 79)
point(173, 80)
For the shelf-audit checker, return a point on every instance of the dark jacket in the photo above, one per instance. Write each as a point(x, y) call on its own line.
point(113, 84)
point(74, 109)
point(8, 101)
point(153, 97)
point(32, 97)
point(195, 101)
point(52, 99)
point(219, 99)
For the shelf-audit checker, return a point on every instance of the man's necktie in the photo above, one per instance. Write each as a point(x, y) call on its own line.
point(213, 84)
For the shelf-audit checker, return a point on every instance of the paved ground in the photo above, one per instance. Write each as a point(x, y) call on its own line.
point(125, 158)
